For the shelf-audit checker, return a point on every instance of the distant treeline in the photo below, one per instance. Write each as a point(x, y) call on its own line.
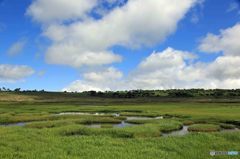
point(167, 93)
point(216, 93)
point(4, 89)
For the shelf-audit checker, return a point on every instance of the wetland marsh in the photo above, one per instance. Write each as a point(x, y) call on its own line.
point(117, 129)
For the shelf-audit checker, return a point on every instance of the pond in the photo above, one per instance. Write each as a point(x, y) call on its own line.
point(80, 113)
point(181, 132)
point(184, 131)
point(124, 123)
point(14, 124)
point(143, 118)
point(120, 125)
point(113, 114)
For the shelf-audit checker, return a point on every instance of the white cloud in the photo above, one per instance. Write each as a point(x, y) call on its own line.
point(169, 69)
point(107, 74)
point(226, 84)
point(163, 70)
point(81, 86)
point(135, 24)
point(73, 55)
point(17, 47)
point(13, 73)
point(85, 41)
point(172, 69)
point(165, 60)
point(166, 70)
point(224, 72)
point(160, 70)
point(102, 79)
point(227, 41)
point(138, 23)
point(225, 67)
point(48, 11)
point(124, 26)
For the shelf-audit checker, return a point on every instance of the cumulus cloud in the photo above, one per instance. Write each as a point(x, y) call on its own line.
point(165, 60)
point(227, 42)
point(17, 47)
point(103, 79)
point(108, 74)
point(223, 72)
point(73, 55)
point(171, 68)
point(46, 11)
point(135, 24)
point(13, 73)
point(123, 26)
point(160, 70)
point(225, 67)
point(79, 39)
point(81, 86)
point(168, 69)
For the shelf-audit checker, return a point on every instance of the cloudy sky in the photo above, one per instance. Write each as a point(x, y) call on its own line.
point(80, 45)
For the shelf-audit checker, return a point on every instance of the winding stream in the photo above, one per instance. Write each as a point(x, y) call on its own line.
point(14, 124)
point(181, 132)
point(120, 125)
point(124, 123)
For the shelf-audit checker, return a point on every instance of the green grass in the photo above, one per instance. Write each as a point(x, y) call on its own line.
point(138, 131)
point(204, 128)
point(106, 126)
point(47, 143)
point(135, 121)
point(188, 122)
point(47, 135)
point(97, 120)
point(82, 120)
point(227, 126)
point(164, 125)
point(8, 118)
point(49, 124)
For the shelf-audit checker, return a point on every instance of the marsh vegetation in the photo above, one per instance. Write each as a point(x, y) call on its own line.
point(114, 128)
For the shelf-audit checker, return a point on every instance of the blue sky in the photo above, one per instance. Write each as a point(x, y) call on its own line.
point(50, 50)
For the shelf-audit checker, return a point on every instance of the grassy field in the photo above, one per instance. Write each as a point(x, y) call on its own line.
point(45, 134)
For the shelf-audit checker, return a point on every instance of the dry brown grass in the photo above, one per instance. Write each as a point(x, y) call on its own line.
point(6, 97)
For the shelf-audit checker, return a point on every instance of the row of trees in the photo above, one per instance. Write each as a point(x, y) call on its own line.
point(167, 93)
point(4, 89)
point(148, 93)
